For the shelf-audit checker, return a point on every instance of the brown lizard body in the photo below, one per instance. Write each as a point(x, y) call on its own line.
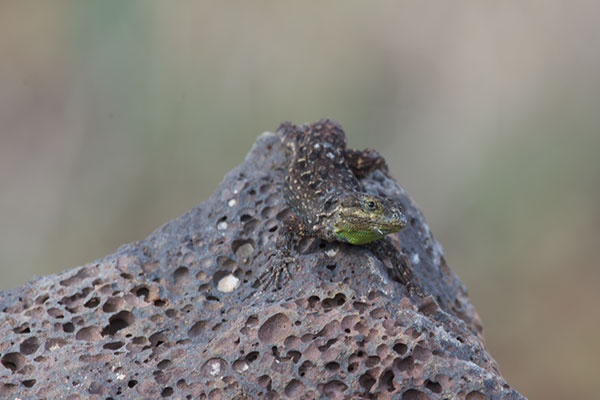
point(327, 200)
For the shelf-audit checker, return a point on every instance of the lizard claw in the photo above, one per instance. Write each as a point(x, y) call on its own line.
point(275, 274)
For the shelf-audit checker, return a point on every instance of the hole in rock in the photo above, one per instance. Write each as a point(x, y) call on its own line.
point(433, 386)
point(30, 345)
point(28, 383)
point(13, 361)
point(93, 302)
point(117, 322)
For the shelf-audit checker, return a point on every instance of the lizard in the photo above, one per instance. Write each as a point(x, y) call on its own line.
point(327, 201)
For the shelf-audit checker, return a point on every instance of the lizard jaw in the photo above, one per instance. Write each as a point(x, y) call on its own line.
point(357, 236)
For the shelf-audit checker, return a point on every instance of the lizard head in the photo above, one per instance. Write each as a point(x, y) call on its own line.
point(362, 218)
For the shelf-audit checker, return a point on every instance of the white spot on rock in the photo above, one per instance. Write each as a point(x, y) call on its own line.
point(331, 252)
point(215, 369)
point(222, 225)
point(232, 202)
point(228, 284)
point(415, 259)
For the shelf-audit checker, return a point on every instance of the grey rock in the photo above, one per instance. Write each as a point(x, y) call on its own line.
point(176, 315)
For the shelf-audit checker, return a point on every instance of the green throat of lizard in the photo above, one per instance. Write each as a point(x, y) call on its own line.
point(360, 236)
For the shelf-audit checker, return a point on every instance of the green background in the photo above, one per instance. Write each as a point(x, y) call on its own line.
point(116, 116)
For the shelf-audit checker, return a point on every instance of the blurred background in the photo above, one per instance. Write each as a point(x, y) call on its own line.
point(118, 116)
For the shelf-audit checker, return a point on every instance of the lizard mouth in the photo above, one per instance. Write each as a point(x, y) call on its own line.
point(394, 224)
point(386, 231)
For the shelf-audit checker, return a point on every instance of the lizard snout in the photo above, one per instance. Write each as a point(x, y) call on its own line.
point(398, 215)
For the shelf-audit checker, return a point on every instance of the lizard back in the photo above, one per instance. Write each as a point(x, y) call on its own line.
point(317, 169)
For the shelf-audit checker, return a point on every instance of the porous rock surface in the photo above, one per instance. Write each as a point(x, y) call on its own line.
point(176, 316)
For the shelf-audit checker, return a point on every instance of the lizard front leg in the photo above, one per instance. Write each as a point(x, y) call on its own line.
point(401, 269)
point(361, 162)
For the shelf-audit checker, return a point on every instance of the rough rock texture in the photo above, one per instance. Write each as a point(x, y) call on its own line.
point(175, 315)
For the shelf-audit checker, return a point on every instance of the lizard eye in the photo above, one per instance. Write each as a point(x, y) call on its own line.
point(369, 205)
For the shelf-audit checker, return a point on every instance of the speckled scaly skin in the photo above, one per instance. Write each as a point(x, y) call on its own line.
point(327, 200)
point(324, 192)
